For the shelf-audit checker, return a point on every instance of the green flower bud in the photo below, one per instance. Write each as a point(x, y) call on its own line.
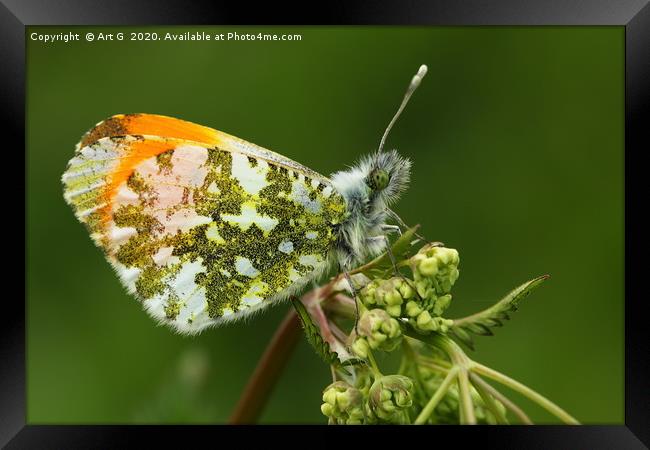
point(395, 310)
point(359, 346)
point(438, 264)
point(363, 380)
point(413, 309)
point(444, 324)
point(343, 404)
point(424, 323)
point(389, 397)
point(389, 294)
point(428, 266)
point(367, 295)
point(380, 330)
point(435, 270)
point(425, 288)
point(405, 289)
point(441, 304)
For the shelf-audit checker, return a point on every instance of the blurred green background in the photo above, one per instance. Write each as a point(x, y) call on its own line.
point(517, 140)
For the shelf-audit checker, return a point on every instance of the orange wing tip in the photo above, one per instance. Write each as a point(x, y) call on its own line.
point(151, 125)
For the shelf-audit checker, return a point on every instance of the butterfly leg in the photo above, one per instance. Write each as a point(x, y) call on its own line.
point(389, 251)
point(356, 299)
point(394, 261)
point(392, 214)
point(391, 229)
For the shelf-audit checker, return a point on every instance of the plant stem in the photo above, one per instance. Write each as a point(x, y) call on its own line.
point(446, 344)
point(526, 391)
point(466, 405)
point(411, 357)
point(373, 364)
point(460, 360)
point(516, 410)
point(333, 372)
point(341, 305)
point(403, 364)
point(268, 371)
point(434, 363)
point(432, 366)
point(437, 396)
point(489, 401)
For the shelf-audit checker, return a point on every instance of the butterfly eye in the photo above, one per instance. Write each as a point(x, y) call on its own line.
point(378, 179)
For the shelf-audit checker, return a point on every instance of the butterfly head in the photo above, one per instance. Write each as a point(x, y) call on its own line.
point(387, 176)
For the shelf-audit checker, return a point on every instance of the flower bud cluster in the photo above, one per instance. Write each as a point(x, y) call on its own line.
point(343, 404)
point(386, 306)
point(405, 312)
point(384, 400)
point(422, 300)
point(435, 270)
point(390, 397)
point(377, 331)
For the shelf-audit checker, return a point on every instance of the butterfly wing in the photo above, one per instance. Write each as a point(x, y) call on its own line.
point(170, 127)
point(201, 232)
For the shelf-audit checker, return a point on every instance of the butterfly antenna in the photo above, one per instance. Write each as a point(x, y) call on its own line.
point(415, 82)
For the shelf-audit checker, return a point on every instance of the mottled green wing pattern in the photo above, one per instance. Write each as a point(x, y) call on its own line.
point(200, 234)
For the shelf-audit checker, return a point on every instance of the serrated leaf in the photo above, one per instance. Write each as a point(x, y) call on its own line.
point(479, 328)
point(493, 322)
point(314, 337)
point(480, 323)
point(401, 249)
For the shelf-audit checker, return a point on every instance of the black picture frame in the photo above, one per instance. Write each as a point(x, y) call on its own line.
point(633, 15)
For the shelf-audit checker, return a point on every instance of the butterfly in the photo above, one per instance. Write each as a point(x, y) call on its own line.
point(205, 228)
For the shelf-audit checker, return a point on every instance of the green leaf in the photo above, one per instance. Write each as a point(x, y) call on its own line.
point(314, 337)
point(480, 323)
point(402, 248)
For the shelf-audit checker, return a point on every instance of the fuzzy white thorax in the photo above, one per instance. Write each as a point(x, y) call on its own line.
point(367, 206)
